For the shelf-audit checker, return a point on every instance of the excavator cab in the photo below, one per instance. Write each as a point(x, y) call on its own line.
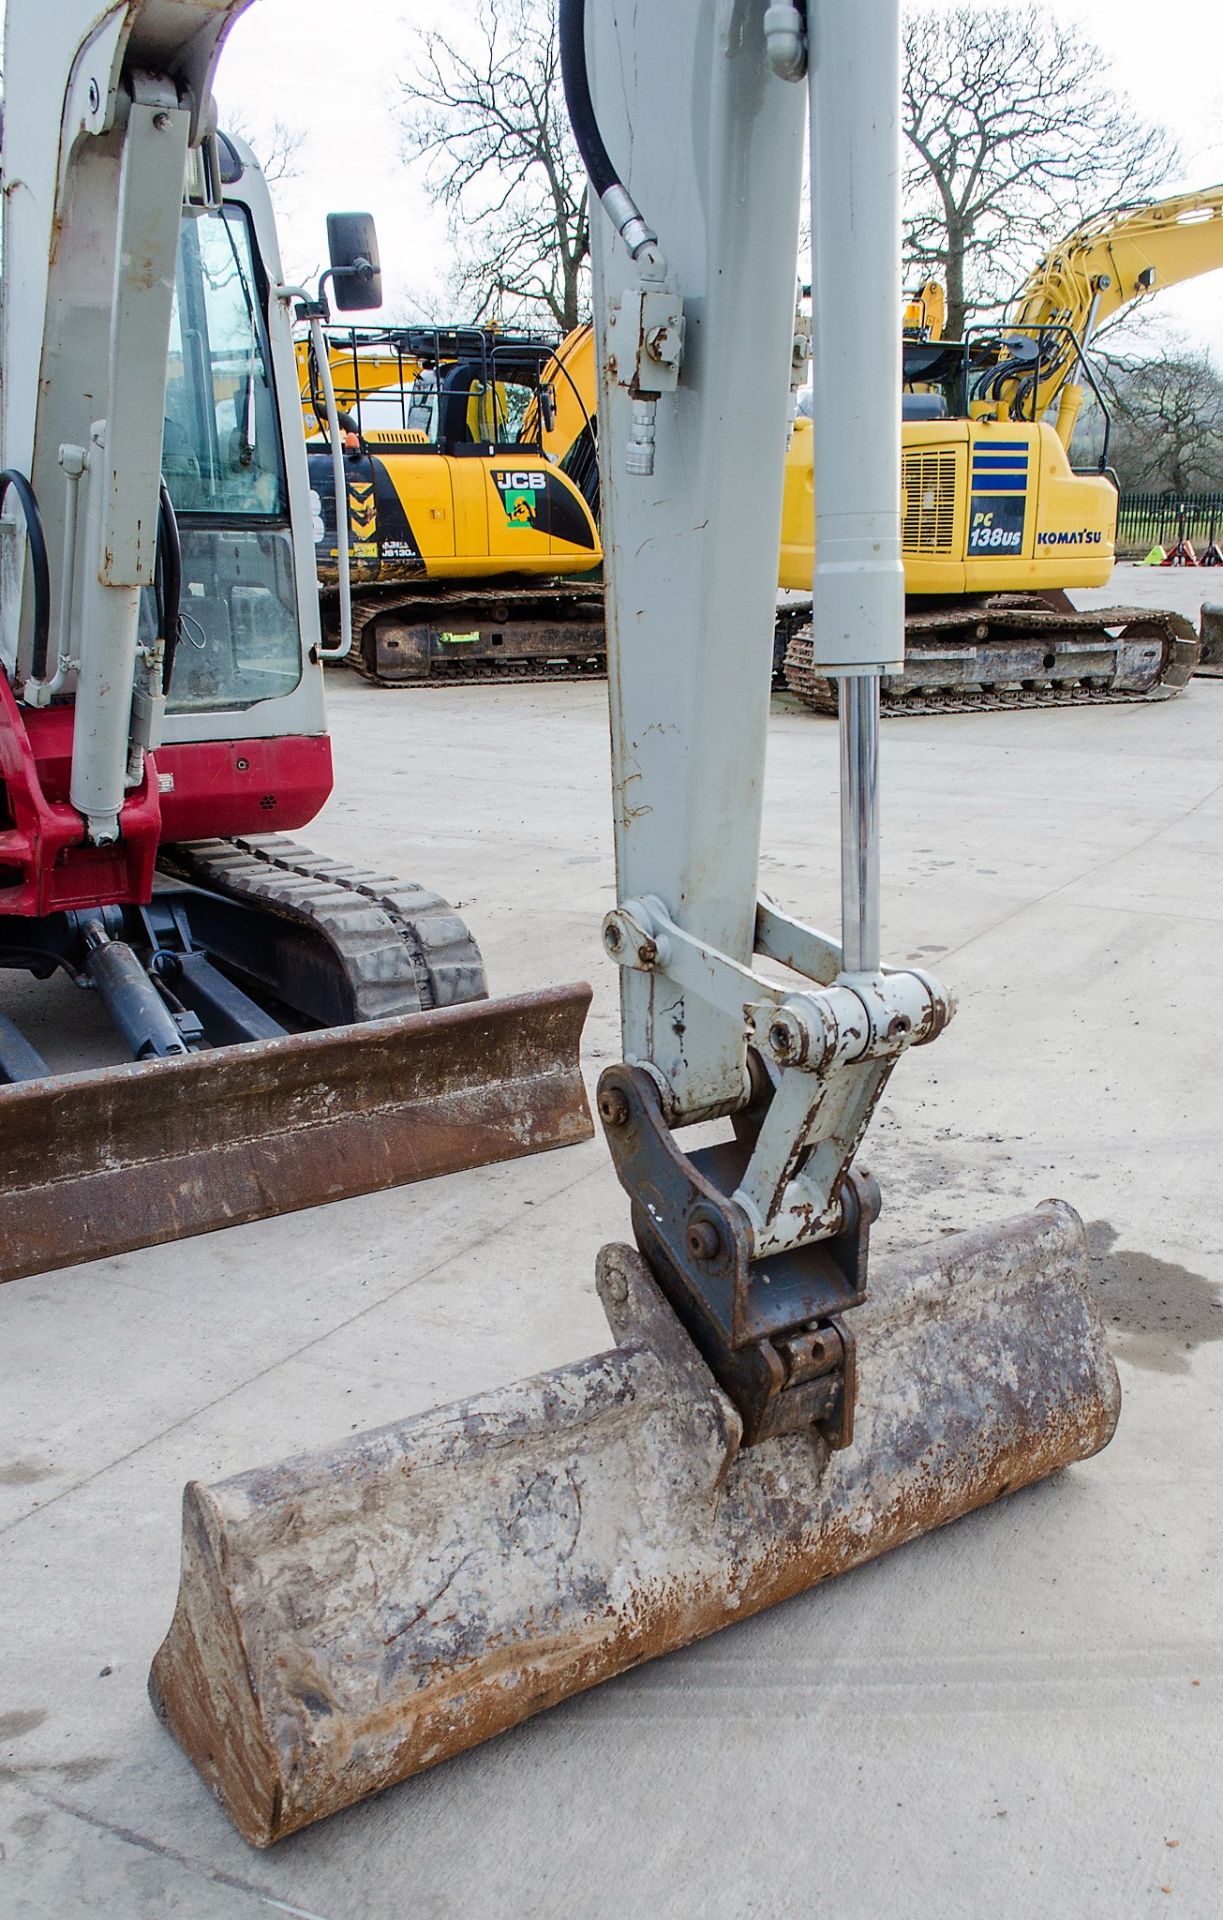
point(237, 639)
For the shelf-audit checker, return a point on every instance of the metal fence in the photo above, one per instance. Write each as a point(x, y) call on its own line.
point(1146, 520)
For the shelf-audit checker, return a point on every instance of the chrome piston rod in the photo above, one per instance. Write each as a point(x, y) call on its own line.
point(858, 702)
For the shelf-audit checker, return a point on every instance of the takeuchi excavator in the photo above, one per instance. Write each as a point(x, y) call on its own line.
point(300, 1028)
point(998, 523)
point(777, 1405)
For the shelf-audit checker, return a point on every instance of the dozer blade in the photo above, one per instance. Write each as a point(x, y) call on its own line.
point(352, 1617)
point(98, 1163)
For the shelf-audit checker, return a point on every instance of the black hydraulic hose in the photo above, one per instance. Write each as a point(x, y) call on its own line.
point(170, 576)
point(575, 77)
point(9, 477)
point(617, 202)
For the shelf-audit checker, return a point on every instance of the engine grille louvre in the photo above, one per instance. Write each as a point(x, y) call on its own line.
point(928, 483)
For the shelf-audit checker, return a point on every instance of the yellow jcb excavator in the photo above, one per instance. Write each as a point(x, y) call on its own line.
point(998, 524)
point(463, 537)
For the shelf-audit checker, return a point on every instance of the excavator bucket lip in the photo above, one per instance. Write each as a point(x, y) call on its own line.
point(98, 1163)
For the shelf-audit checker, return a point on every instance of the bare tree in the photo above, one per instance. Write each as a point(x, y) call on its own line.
point(486, 115)
point(1014, 137)
point(1167, 421)
point(276, 145)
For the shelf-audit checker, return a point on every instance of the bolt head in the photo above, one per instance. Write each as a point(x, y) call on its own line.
point(781, 1040)
point(704, 1242)
point(613, 1108)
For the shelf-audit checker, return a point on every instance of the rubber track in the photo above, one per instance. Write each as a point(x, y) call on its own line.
point(401, 948)
point(818, 692)
point(510, 672)
point(458, 672)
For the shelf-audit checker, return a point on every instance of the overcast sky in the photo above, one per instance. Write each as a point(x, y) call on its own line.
point(330, 69)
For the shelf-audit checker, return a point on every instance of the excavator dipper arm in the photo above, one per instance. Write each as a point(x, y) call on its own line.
point(774, 1410)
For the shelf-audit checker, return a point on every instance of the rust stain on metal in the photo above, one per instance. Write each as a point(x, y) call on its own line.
point(96, 1163)
point(348, 1619)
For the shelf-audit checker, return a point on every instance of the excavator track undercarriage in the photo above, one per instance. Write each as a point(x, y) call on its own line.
point(391, 946)
point(1018, 650)
point(434, 634)
point(440, 636)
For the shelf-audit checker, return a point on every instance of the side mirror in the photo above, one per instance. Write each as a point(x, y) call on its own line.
point(352, 248)
point(547, 408)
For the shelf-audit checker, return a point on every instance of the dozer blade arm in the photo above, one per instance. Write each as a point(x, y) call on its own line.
point(348, 1619)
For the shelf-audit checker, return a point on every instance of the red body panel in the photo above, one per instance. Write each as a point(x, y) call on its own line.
point(243, 786)
point(211, 788)
point(44, 864)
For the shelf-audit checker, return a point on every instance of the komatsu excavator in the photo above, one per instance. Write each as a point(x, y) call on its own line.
point(997, 523)
point(302, 1029)
point(777, 1406)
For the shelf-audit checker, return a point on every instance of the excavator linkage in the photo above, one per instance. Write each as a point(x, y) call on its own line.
point(347, 1619)
point(97, 1163)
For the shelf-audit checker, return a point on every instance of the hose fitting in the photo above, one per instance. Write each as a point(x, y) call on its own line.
point(785, 39)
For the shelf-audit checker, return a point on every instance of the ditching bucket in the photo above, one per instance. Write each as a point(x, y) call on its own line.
point(352, 1617)
point(97, 1163)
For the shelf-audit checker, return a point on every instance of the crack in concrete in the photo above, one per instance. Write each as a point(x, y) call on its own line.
point(198, 1867)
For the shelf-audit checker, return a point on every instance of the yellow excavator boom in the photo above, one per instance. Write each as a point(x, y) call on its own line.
point(1108, 264)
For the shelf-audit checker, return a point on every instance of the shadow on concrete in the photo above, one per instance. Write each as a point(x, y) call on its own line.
point(1158, 1312)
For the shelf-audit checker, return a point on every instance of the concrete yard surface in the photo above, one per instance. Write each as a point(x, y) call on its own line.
point(1019, 1717)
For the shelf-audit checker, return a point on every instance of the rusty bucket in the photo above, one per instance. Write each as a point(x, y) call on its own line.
point(97, 1163)
point(347, 1619)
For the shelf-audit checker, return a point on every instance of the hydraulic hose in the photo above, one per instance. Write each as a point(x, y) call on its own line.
point(617, 202)
point(9, 477)
point(170, 581)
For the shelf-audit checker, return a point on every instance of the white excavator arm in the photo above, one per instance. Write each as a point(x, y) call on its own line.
point(346, 1619)
point(695, 332)
point(106, 110)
